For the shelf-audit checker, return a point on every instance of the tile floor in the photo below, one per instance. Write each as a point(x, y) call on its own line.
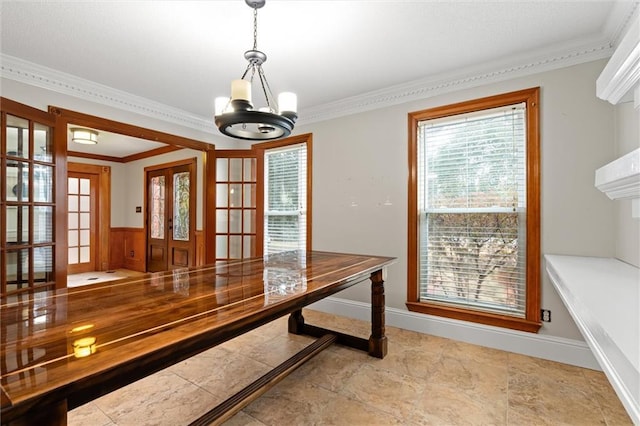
point(424, 380)
point(86, 278)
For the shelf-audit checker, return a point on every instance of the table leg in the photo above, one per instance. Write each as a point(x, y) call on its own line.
point(54, 414)
point(296, 322)
point(377, 341)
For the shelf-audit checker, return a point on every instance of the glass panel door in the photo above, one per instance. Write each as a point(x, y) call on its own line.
point(181, 184)
point(235, 204)
point(171, 216)
point(157, 200)
point(81, 193)
point(27, 204)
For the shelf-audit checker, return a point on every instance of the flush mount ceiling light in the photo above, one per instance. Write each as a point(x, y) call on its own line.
point(84, 136)
point(237, 117)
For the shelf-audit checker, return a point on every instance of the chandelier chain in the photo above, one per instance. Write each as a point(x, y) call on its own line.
point(255, 29)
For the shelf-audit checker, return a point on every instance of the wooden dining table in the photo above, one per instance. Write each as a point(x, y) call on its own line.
point(61, 349)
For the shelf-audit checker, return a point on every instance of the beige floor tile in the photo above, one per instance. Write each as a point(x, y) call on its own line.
point(553, 401)
point(88, 415)
point(277, 349)
point(220, 372)
point(549, 370)
point(291, 402)
point(424, 380)
point(413, 339)
point(346, 411)
point(401, 360)
point(612, 409)
point(330, 369)
point(243, 419)
point(476, 379)
point(389, 392)
point(444, 404)
point(464, 351)
point(161, 399)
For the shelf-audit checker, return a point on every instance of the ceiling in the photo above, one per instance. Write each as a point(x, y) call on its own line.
point(175, 57)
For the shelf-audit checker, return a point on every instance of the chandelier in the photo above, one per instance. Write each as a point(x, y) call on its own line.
point(237, 117)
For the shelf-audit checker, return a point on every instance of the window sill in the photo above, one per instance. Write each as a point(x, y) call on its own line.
point(480, 317)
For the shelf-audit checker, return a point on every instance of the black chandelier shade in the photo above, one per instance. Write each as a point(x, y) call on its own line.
point(248, 124)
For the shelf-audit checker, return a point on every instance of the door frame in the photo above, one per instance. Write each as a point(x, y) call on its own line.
point(193, 194)
point(65, 117)
point(103, 212)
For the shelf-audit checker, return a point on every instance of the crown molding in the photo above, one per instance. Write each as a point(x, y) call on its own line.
point(17, 69)
point(622, 72)
point(26, 72)
point(473, 77)
point(619, 20)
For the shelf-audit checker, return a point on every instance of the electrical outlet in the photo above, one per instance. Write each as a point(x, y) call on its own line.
point(546, 315)
point(131, 253)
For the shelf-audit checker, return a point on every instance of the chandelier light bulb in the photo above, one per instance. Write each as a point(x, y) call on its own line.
point(241, 89)
point(288, 102)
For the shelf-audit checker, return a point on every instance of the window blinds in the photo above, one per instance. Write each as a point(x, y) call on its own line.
point(285, 199)
point(472, 201)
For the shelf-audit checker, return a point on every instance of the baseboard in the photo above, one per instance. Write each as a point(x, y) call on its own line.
point(567, 351)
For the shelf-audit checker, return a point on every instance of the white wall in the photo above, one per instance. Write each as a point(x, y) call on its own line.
point(360, 174)
point(127, 186)
point(360, 162)
point(627, 139)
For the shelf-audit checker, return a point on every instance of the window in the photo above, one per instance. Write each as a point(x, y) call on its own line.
point(285, 200)
point(474, 211)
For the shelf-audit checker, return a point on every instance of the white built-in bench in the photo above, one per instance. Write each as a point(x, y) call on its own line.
point(603, 297)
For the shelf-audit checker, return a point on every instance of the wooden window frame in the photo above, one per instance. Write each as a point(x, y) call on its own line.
point(531, 321)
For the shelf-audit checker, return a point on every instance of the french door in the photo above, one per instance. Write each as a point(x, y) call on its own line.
point(170, 216)
point(27, 199)
point(82, 229)
point(236, 204)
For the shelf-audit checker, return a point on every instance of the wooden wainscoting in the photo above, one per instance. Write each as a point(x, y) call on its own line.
point(128, 249)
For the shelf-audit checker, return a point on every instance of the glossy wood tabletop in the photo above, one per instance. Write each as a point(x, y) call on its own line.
point(56, 343)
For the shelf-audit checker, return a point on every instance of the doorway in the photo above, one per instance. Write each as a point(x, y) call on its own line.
point(170, 215)
point(236, 204)
point(88, 217)
point(82, 206)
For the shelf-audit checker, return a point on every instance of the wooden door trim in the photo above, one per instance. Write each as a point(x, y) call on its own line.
point(103, 198)
point(107, 125)
point(64, 117)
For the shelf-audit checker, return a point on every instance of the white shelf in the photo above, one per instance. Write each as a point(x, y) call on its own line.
point(620, 179)
point(603, 297)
